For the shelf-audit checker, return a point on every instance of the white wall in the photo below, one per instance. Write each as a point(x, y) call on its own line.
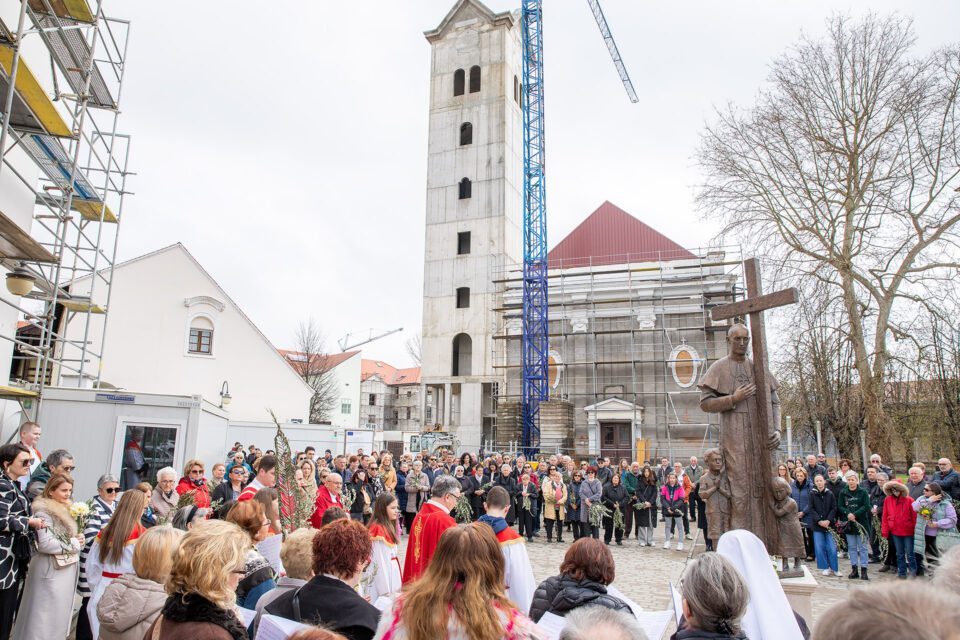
point(146, 344)
point(347, 375)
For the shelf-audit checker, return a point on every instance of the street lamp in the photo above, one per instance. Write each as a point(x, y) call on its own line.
point(225, 397)
point(20, 281)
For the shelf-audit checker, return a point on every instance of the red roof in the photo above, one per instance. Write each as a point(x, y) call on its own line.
point(389, 374)
point(319, 361)
point(610, 235)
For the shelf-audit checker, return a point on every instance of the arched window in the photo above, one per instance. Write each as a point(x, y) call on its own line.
point(201, 336)
point(463, 297)
point(464, 188)
point(458, 82)
point(474, 79)
point(466, 133)
point(462, 354)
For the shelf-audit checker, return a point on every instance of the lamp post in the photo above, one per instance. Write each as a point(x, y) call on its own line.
point(225, 397)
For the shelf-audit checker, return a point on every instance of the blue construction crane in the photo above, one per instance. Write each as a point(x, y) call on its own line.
point(535, 343)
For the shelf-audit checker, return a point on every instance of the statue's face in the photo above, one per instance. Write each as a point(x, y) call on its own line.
point(715, 463)
point(779, 491)
point(738, 339)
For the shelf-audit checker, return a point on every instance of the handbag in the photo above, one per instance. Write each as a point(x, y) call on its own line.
point(24, 546)
point(63, 560)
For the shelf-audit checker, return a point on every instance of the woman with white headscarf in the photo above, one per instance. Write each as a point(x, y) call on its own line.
point(769, 615)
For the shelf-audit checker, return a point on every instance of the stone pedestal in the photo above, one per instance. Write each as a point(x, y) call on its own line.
point(799, 593)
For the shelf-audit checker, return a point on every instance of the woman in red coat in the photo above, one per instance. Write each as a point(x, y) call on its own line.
point(193, 480)
point(899, 521)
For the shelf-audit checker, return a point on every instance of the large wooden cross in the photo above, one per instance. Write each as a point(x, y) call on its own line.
point(754, 306)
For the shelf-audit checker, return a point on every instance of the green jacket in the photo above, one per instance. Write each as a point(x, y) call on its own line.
point(630, 481)
point(855, 502)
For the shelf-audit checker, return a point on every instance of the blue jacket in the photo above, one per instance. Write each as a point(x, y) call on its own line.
point(949, 482)
point(801, 495)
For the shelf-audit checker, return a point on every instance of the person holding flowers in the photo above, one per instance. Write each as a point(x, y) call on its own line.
point(936, 527)
point(47, 605)
point(854, 510)
point(617, 501)
point(591, 492)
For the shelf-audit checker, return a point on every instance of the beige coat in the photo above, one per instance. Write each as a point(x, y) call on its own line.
point(162, 505)
point(550, 500)
point(128, 607)
point(47, 604)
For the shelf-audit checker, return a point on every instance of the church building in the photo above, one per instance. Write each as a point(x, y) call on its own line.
point(630, 332)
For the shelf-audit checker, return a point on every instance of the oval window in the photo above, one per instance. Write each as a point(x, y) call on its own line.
point(554, 362)
point(685, 364)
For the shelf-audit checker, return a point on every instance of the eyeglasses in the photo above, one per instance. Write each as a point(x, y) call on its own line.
point(27, 462)
point(196, 471)
point(237, 471)
point(925, 489)
point(111, 490)
point(69, 469)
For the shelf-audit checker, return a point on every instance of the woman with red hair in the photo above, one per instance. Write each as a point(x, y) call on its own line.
point(341, 551)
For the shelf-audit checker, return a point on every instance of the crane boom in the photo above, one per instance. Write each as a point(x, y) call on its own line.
point(345, 345)
point(612, 48)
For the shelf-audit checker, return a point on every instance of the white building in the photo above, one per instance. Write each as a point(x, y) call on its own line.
point(344, 368)
point(473, 211)
point(174, 330)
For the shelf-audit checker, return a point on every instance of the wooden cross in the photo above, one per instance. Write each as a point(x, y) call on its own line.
point(754, 306)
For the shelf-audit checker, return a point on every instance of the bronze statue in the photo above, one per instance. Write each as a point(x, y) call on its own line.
point(715, 492)
point(728, 388)
point(788, 526)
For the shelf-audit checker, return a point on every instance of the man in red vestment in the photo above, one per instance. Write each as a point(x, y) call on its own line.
point(426, 529)
point(327, 496)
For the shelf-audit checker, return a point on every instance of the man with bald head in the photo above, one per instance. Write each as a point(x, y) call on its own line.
point(327, 496)
point(728, 388)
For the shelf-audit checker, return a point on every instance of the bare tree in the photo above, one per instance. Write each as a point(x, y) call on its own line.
point(815, 371)
point(414, 349)
point(843, 173)
point(315, 366)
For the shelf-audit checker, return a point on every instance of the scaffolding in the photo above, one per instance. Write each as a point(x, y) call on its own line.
point(620, 327)
point(62, 126)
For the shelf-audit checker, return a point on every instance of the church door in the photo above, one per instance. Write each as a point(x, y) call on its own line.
point(616, 440)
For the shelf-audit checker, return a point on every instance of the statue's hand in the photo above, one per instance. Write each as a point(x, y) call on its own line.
point(774, 441)
point(744, 391)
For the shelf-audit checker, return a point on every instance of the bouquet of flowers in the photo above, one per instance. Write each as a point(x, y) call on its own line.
point(597, 513)
point(80, 511)
point(462, 512)
point(618, 522)
point(413, 480)
point(927, 512)
point(187, 499)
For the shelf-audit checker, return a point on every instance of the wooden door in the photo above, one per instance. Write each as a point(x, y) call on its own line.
point(616, 441)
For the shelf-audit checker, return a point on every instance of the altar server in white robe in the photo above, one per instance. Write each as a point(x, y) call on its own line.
point(518, 575)
point(384, 566)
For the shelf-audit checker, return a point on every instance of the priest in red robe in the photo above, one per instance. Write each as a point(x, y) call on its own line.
point(430, 523)
point(327, 496)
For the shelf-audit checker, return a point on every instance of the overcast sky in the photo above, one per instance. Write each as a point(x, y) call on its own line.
point(284, 143)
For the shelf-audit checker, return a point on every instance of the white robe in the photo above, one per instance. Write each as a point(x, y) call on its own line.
point(387, 580)
point(99, 582)
point(519, 574)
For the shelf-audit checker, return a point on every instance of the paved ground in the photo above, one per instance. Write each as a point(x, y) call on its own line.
point(643, 572)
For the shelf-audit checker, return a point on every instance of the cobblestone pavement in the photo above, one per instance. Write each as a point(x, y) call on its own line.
point(643, 572)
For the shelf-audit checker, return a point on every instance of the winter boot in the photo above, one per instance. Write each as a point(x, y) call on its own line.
point(863, 573)
point(854, 573)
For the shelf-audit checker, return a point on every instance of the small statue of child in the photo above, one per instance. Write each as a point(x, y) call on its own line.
point(788, 527)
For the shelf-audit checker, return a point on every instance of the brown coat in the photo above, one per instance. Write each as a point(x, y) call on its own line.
point(187, 631)
point(192, 617)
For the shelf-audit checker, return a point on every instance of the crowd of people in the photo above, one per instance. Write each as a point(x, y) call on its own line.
point(187, 556)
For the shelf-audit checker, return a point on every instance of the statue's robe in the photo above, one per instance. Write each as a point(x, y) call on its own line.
point(750, 469)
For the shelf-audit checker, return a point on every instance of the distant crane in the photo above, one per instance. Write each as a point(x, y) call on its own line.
point(535, 343)
point(344, 342)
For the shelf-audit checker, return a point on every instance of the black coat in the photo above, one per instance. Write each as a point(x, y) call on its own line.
point(333, 604)
point(647, 493)
point(14, 514)
point(561, 594)
point(615, 495)
point(822, 506)
point(223, 492)
point(469, 485)
point(573, 502)
point(508, 483)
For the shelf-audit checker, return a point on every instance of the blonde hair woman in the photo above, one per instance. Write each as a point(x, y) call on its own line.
point(133, 601)
point(388, 474)
point(204, 574)
point(461, 596)
point(194, 481)
point(111, 555)
point(309, 481)
point(52, 578)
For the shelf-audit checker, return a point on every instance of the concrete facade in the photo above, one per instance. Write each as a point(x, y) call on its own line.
point(475, 135)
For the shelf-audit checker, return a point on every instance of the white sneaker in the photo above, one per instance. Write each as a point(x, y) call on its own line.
point(826, 572)
point(666, 544)
point(680, 546)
